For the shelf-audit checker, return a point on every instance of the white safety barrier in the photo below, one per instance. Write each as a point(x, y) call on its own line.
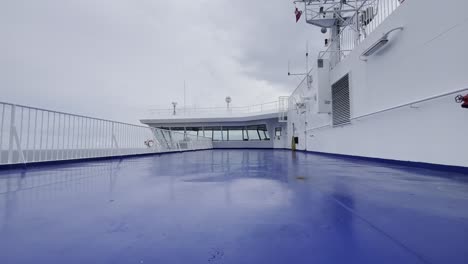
point(29, 134)
point(370, 15)
point(269, 107)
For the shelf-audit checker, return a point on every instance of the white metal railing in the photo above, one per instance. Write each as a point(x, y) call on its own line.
point(409, 104)
point(370, 21)
point(29, 134)
point(362, 23)
point(297, 97)
point(269, 107)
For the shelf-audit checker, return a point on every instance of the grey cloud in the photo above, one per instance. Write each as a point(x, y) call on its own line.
point(116, 58)
point(269, 37)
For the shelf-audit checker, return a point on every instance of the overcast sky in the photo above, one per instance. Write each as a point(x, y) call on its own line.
point(116, 58)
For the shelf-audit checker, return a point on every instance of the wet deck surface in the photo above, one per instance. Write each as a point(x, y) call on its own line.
point(233, 206)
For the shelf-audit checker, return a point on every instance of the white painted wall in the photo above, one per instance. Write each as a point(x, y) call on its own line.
point(429, 57)
point(243, 144)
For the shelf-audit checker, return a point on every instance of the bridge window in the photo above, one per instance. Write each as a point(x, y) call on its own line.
point(264, 134)
point(255, 132)
point(217, 134)
point(208, 132)
point(225, 135)
point(258, 132)
point(244, 135)
point(235, 133)
point(192, 131)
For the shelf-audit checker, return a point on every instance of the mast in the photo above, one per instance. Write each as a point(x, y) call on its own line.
point(332, 16)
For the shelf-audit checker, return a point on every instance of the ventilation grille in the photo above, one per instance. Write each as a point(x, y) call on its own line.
point(340, 101)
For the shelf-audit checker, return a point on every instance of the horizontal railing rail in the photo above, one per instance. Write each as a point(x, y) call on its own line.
point(268, 107)
point(65, 113)
point(412, 103)
point(31, 134)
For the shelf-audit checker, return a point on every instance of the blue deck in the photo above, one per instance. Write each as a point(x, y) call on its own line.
point(233, 206)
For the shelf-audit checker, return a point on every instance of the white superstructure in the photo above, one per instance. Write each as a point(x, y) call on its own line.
point(426, 63)
point(383, 87)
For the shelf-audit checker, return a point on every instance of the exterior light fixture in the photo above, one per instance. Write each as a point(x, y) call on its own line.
point(375, 47)
point(379, 44)
point(174, 104)
point(228, 101)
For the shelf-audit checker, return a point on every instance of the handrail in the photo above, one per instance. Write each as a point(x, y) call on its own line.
point(396, 107)
point(66, 113)
point(302, 81)
point(215, 107)
point(353, 34)
point(83, 116)
point(32, 134)
point(89, 117)
point(269, 107)
point(323, 52)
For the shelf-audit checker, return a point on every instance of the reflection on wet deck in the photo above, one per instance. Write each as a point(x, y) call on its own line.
point(233, 206)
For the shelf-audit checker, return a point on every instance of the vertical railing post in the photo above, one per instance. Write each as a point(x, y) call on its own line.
point(41, 132)
point(52, 140)
point(82, 137)
point(1, 132)
point(69, 137)
point(114, 144)
point(178, 143)
point(14, 138)
point(27, 134)
point(88, 137)
point(57, 152)
point(34, 136)
point(112, 139)
point(12, 129)
point(63, 137)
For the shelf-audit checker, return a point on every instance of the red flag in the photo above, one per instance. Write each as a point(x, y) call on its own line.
point(298, 14)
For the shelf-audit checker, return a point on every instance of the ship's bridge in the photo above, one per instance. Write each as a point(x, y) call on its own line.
point(254, 126)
